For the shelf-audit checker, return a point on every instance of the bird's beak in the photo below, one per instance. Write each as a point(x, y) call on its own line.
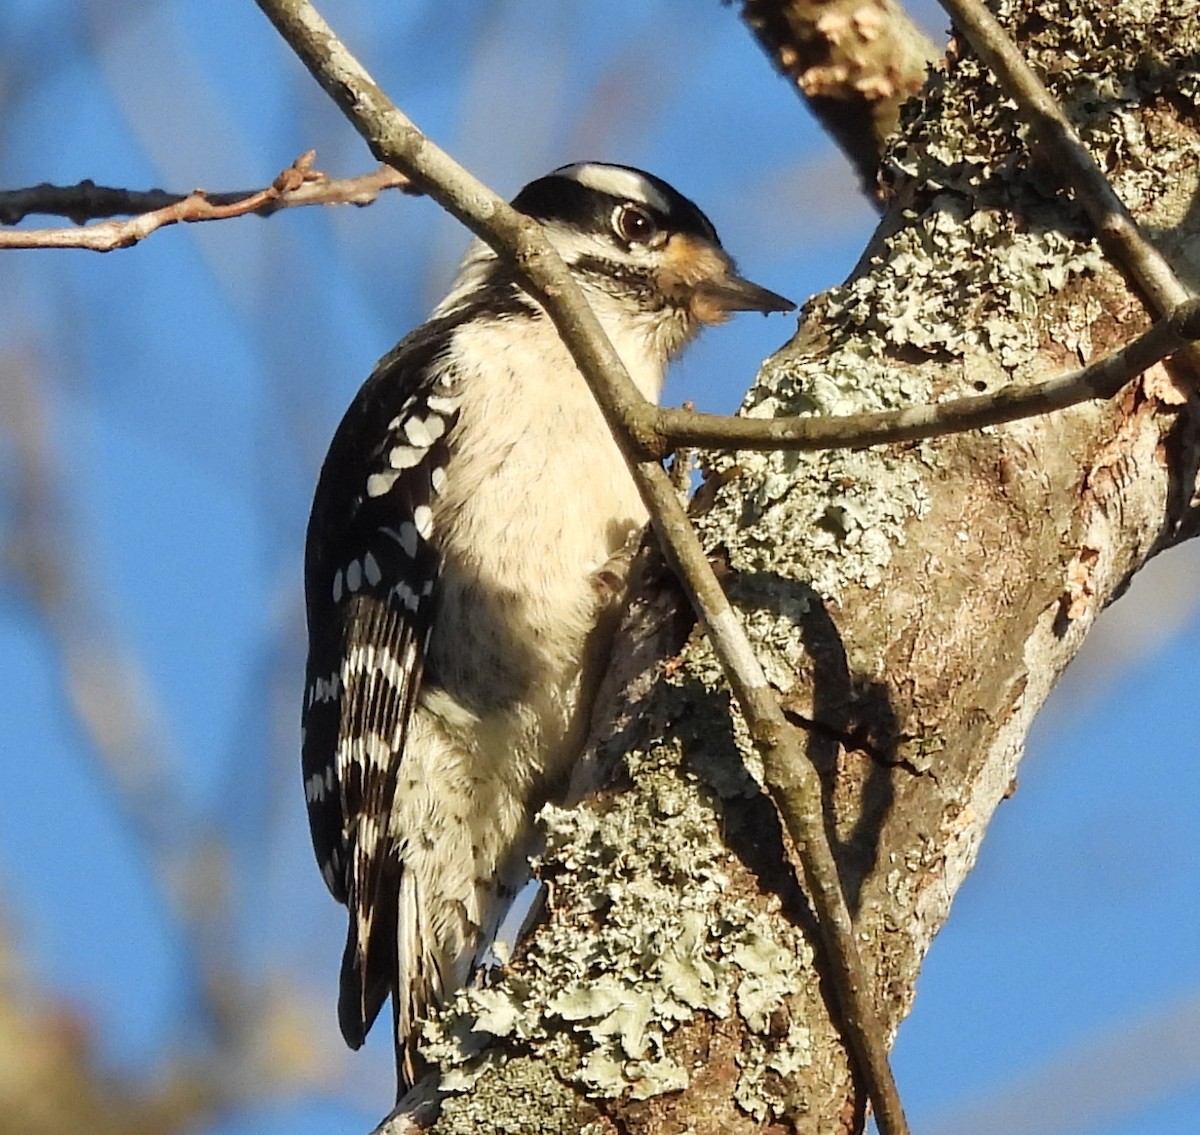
point(701, 275)
point(725, 294)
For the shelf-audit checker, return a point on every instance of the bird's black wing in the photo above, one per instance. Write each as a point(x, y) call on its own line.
point(371, 569)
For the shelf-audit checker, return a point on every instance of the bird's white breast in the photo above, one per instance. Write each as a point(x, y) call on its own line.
point(538, 496)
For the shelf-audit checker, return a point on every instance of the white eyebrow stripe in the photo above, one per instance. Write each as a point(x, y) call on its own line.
point(617, 182)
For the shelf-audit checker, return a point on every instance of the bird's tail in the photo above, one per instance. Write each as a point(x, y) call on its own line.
point(441, 943)
point(423, 946)
point(430, 966)
point(368, 966)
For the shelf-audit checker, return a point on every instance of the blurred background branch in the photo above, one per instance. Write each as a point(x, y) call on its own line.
point(853, 63)
point(52, 1083)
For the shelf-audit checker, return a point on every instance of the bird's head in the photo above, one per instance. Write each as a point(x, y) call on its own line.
point(642, 249)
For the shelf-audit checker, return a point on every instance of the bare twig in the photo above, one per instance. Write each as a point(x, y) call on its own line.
point(854, 63)
point(1100, 379)
point(297, 185)
point(793, 781)
point(396, 140)
point(794, 786)
point(1061, 145)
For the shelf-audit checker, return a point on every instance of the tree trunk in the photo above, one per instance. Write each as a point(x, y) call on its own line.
point(913, 604)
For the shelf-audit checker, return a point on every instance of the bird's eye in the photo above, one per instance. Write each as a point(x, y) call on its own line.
point(633, 223)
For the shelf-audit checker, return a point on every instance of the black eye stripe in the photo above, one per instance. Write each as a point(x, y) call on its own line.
point(562, 199)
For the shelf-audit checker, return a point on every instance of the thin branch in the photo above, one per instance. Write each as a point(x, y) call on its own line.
point(793, 781)
point(794, 786)
point(297, 185)
point(854, 64)
point(1102, 378)
point(394, 139)
point(1061, 145)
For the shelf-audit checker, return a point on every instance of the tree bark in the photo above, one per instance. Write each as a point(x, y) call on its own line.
point(914, 606)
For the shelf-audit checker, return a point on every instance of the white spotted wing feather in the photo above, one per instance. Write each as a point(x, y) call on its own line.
point(371, 572)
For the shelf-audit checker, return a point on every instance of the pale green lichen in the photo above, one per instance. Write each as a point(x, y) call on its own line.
point(766, 1086)
point(507, 1108)
point(631, 955)
point(850, 526)
point(833, 519)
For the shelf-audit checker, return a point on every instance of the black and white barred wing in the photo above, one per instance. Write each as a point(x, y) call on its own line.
point(371, 571)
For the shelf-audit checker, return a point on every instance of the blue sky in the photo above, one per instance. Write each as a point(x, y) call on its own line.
point(179, 397)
